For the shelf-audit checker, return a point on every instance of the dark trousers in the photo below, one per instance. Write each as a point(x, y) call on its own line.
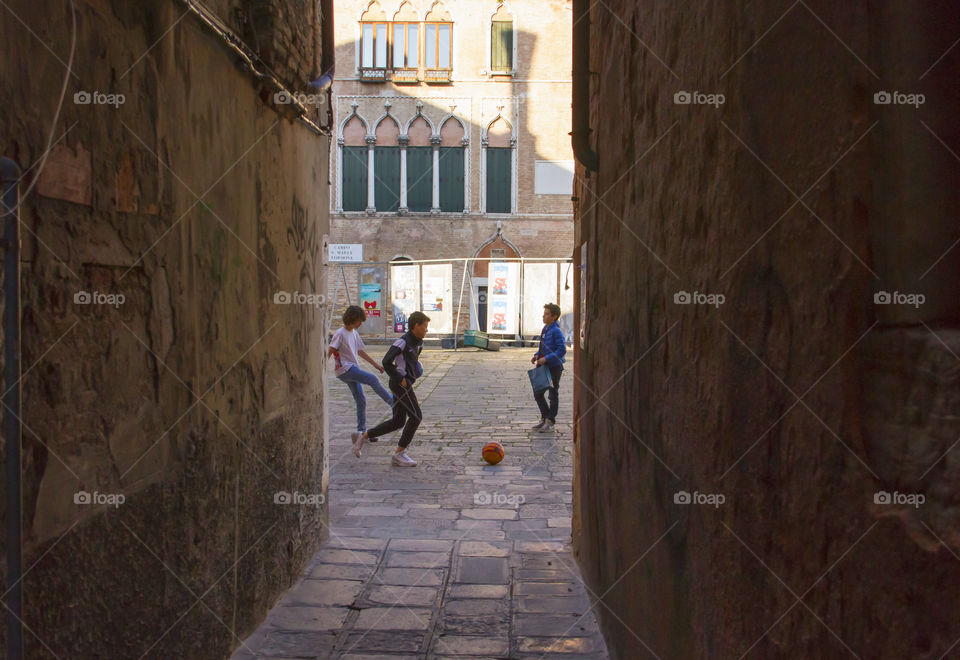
point(406, 414)
point(550, 411)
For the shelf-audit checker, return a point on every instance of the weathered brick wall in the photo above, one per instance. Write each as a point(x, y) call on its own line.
point(197, 398)
point(713, 407)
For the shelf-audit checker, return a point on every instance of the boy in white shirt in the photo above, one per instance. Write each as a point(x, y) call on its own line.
point(346, 346)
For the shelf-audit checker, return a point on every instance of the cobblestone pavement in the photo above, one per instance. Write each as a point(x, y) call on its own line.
point(451, 558)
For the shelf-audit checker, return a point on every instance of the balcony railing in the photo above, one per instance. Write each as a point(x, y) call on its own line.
point(405, 76)
point(378, 75)
point(437, 75)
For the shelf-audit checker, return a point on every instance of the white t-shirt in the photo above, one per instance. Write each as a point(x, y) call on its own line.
point(347, 343)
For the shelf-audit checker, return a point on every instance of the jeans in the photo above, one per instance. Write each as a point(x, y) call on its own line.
point(406, 413)
point(355, 377)
point(550, 412)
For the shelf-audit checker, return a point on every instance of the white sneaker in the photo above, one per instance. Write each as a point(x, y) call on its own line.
point(547, 426)
point(402, 460)
point(538, 425)
point(357, 439)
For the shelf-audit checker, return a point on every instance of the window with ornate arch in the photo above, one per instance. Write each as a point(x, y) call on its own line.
point(499, 164)
point(502, 44)
point(438, 44)
point(374, 42)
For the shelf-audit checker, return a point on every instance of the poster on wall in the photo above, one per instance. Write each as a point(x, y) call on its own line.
point(432, 294)
point(504, 290)
point(437, 295)
point(405, 294)
point(371, 281)
point(370, 299)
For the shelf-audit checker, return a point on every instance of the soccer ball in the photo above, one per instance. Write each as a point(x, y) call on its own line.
point(492, 452)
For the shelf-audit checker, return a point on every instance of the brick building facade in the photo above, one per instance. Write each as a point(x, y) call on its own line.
point(451, 125)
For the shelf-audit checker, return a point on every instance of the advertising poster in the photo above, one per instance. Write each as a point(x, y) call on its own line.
point(504, 291)
point(432, 294)
point(498, 316)
point(437, 296)
point(370, 299)
point(405, 293)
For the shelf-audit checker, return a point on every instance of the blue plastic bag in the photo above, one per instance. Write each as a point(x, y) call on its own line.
point(540, 378)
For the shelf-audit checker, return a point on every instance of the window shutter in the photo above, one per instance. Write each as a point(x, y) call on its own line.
point(498, 179)
point(420, 178)
point(451, 179)
point(386, 168)
point(501, 46)
point(354, 178)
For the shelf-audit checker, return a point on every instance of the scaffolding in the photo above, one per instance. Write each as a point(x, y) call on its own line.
point(507, 303)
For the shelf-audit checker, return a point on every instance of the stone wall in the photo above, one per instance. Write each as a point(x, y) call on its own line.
point(800, 399)
point(196, 398)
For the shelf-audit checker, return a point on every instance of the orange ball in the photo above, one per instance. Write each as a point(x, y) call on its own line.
point(492, 452)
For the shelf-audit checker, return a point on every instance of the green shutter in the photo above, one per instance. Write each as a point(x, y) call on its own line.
point(386, 187)
point(354, 178)
point(451, 179)
point(498, 179)
point(420, 178)
point(501, 45)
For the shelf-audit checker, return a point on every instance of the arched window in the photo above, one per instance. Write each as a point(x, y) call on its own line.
point(419, 166)
point(354, 165)
point(499, 162)
point(405, 35)
point(451, 165)
point(502, 44)
point(438, 44)
point(373, 41)
point(386, 166)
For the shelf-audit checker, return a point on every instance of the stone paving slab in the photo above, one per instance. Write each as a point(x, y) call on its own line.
point(453, 558)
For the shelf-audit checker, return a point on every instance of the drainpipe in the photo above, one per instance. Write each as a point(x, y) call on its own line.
point(585, 155)
point(327, 55)
point(9, 180)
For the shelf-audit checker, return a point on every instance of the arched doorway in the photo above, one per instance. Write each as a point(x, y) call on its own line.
point(493, 248)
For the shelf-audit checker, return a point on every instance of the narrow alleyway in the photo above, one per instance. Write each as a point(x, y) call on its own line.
point(453, 557)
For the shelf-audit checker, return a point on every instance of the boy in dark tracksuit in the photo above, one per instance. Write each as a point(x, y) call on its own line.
point(550, 352)
point(402, 364)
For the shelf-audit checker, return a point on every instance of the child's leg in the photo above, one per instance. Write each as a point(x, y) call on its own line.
point(352, 381)
point(371, 381)
point(394, 423)
point(554, 393)
point(542, 404)
point(414, 417)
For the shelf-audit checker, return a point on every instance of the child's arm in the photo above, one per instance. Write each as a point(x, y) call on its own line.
point(369, 359)
point(331, 351)
point(389, 365)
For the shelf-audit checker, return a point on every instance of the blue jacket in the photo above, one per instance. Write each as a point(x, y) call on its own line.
point(552, 345)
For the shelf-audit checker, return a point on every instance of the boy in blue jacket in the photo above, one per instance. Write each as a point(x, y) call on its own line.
point(550, 352)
